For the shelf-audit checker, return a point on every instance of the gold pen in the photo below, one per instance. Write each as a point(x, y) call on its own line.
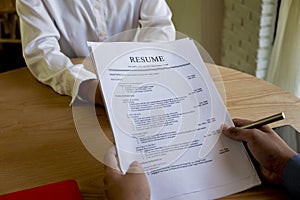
point(264, 121)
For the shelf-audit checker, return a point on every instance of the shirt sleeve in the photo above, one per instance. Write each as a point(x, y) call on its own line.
point(42, 51)
point(291, 176)
point(156, 22)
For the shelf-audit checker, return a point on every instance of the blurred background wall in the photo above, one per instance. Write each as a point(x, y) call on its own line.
point(201, 20)
point(236, 33)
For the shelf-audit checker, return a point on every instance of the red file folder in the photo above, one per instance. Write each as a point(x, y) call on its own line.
point(65, 190)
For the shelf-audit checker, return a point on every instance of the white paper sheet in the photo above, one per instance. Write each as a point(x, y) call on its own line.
point(165, 112)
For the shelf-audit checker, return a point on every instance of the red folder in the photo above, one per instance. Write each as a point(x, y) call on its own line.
point(64, 190)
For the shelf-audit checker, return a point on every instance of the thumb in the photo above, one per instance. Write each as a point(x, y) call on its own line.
point(135, 167)
point(235, 132)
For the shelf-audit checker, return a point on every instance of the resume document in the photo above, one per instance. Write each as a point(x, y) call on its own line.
point(166, 112)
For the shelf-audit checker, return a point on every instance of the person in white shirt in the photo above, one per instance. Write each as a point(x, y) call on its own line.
point(55, 33)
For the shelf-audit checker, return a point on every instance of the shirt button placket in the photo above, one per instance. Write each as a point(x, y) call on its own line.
point(101, 21)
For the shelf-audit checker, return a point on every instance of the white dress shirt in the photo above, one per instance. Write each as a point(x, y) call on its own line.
point(53, 31)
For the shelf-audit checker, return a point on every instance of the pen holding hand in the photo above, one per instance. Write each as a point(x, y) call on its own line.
point(268, 149)
point(264, 121)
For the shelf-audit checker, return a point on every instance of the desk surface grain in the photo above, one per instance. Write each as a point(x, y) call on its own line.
point(39, 143)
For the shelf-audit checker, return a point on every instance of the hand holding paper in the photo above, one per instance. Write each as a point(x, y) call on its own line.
point(166, 113)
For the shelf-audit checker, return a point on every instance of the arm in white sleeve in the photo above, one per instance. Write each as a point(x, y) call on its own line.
point(156, 18)
point(42, 52)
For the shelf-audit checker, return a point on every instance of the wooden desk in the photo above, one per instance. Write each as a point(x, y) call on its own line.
point(39, 143)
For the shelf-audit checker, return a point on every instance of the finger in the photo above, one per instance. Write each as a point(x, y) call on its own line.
point(111, 159)
point(241, 122)
point(111, 175)
point(236, 133)
point(266, 128)
point(112, 171)
point(135, 167)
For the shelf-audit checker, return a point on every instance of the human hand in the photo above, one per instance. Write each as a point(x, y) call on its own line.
point(131, 186)
point(86, 61)
point(90, 90)
point(268, 149)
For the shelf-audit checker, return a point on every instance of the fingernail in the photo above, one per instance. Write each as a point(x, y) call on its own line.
point(224, 127)
point(135, 167)
point(135, 164)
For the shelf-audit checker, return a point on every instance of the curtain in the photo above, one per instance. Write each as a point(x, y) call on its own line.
point(284, 69)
